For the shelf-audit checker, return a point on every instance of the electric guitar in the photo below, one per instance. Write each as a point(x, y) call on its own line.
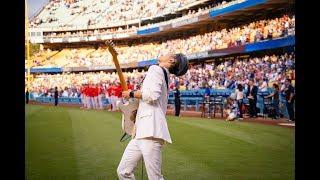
point(129, 107)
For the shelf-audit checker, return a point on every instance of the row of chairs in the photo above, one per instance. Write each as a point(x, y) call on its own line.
point(212, 104)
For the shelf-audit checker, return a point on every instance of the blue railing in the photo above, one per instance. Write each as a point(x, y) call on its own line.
point(65, 100)
point(148, 31)
point(44, 70)
point(147, 63)
point(235, 7)
point(272, 44)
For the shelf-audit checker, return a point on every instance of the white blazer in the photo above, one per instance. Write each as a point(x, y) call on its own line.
point(151, 115)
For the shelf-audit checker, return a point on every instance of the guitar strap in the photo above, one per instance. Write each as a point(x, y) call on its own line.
point(167, 83)
point(165, 76)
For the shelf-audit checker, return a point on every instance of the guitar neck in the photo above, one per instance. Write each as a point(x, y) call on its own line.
point(120, 74)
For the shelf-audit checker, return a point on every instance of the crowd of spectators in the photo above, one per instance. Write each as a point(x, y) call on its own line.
point(68, 13)
point(265, 71)
point(239, 74)
point(69, 84)
point(225, 38)
point(132, 28)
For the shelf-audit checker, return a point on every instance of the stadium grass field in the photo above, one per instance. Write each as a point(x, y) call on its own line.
point(70, 143)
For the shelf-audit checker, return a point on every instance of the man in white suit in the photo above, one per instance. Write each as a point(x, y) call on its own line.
point(151, 125)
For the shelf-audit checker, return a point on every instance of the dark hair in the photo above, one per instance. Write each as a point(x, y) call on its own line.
point(181, 65)
point(239, 87)
point(276, 86)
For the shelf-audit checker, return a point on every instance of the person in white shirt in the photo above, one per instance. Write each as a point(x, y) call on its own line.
point(264, 86)
point(151, 125)
point(65, 93)
point(239, 98)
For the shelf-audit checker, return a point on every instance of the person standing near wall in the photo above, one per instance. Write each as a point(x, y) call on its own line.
point(290, 97)
point(252, 96)
point(27, 96)
point(239, 98)
point(56, 96)
point(100, 96)
point(112, 90)
point(95, 94)
point(177, 101)
point(82, 95)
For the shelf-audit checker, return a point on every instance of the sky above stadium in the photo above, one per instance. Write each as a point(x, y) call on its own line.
point(34, 6)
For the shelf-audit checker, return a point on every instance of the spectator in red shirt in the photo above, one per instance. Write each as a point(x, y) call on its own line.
point(95, 94)
point(90, 96)
point(130, 86)
point(113, 98)
point(117, 95)
point(118, 91)
point(100, 95)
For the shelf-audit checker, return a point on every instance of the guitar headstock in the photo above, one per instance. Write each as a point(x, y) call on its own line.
point(111, 48)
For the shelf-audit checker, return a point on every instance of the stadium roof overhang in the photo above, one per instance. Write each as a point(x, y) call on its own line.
point(270, 7)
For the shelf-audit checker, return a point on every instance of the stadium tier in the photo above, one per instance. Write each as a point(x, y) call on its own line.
point(263, 30)
point(60, 21)
point(88, 12)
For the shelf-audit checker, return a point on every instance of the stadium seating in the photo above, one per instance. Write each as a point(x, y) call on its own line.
point(225, 38)
point(90, 12)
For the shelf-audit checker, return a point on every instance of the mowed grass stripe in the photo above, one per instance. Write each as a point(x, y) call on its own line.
point(95, 145)
point(260, 135)
point(225, 155)
point(201, 149)
point(49, 144)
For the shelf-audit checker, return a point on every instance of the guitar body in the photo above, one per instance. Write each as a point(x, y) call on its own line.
point(130, 107)
point(129, 112)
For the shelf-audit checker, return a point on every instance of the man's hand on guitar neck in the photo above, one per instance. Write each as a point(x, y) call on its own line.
point(136, 94)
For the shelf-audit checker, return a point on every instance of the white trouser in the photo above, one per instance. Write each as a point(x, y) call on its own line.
point(85, 101)
point(100, 101)
point(150, 150)
point(89, 101)
point(114, 102)
point(82, 100)
point(109, 100)
point(95, 102)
